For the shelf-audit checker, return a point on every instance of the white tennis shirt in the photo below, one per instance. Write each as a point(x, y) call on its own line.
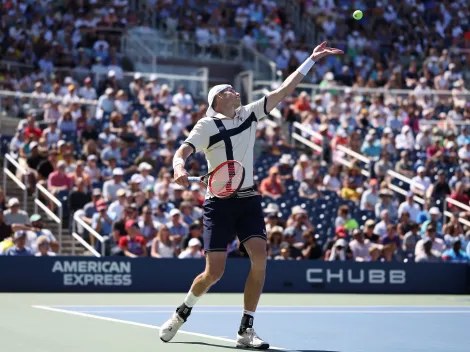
point(235, 142)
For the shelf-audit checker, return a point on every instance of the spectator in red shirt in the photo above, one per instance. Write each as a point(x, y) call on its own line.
point(433, 150)
point(59, 180)
point(459, 196)
point(31, 129)
point(271, 186)
point(133, 245)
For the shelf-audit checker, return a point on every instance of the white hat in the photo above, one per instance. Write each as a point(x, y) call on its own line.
point(422, 80)
point(92, 157)
point(341, 242)
point(285, 159)
point(174, 212)
point(145, 166)
point(108, 91)
point(153, 77)
point(33, 145)
point(193, 242)
point(68, 80)
point(178, 187)
point(111, 73)
point(329, 76)
point(434, 211)
point(118, 172)
point(387, 130)
point(195, 187)
point(60, 143)
point(303, 158)
point(450, 145)
point(12, 202)
point(137, 75)
point(272, 208)
point(298, 210)
point(61, 163)
point(421, 169)
point(211, 96)
point(136, 178)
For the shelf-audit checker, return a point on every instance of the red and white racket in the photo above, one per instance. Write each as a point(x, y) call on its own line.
point(225, 180)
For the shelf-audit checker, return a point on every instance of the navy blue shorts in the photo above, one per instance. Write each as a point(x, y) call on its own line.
point(226, 218)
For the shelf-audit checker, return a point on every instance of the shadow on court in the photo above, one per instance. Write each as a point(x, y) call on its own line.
point(239, 349)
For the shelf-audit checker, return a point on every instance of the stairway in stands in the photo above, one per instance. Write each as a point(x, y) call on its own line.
point(12, 190)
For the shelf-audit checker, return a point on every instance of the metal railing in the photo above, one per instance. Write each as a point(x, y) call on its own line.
point(22, 184)
point(77, 221)
point(43, 192)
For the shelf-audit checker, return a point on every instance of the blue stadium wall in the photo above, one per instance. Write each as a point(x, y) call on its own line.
point(72, 274)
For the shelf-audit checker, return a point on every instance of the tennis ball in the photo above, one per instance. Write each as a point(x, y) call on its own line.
point(357, 14)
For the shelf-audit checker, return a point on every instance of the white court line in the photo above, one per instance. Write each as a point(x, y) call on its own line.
point(261, 306)
point(283, 311)
point(144, 325)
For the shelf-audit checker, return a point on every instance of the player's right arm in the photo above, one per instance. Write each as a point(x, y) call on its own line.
point(197, 140)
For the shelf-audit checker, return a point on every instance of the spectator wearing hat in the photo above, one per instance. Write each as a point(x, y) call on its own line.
point(117, 207)
point(369, 234)
point(87, 91)
point(434, 219)
point(6, 230)
point(105, 104)
point(147, 179)
point(44, 249)
point(405, 166)
point(459, 195)
point(293, 246)
point(409, 206)
point(14, 215)
point(178, 229)
point(134, 183)
point(272, 186)
point(111, 187)
point(19, 248)
point(102, 221)
point(285, 168)
point(311, 249)
point(386, 203)
point(58, 180)
point(370, 197)
point(133, 245)
point(340, 251)
point(272, 216)
point(428, 254)
point(193, 251)
point(455, 254)
point(309, 187)
point(195, 231)
point(298, 222)
point(420, 183)
point(148, 224)
point(302, 169)
point(438, 245)
point(162, 245)
point(37, 230)
point(275, 239)
point(440, 189)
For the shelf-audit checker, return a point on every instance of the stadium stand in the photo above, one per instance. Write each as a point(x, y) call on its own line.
point(366, 164)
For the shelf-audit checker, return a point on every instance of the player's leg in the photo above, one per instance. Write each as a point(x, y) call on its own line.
point(252, 234)
point(219, 225)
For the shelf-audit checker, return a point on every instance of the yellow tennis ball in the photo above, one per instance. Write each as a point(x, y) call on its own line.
point(357, 14)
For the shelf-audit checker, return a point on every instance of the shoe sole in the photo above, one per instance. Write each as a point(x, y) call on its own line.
point(262, 347)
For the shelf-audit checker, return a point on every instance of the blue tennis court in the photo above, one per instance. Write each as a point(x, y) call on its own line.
point(307, 328)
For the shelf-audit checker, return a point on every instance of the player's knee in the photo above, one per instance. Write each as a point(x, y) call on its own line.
point(214, 274)
point(258, 262)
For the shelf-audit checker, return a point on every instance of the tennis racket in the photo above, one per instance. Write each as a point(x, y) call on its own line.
point(225, 180)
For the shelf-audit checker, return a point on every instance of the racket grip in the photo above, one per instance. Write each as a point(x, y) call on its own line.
point(194, 179)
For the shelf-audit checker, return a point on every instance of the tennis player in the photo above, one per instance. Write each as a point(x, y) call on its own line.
point(228, 133)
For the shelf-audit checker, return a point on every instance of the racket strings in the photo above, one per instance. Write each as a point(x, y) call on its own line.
point(227, 180)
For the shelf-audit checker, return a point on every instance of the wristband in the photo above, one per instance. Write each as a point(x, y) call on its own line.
point(306, 66)
point(178, 161)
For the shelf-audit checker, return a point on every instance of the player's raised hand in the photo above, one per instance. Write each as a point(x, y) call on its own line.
point(181, 176)
point(322, 50)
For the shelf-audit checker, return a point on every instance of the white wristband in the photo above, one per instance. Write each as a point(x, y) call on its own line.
point(178, 161)
point(306, 66)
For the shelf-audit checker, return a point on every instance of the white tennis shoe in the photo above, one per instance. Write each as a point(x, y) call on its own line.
point(169, 329)
point(249, 339)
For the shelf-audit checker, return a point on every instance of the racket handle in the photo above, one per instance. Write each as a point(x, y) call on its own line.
point(194, 179)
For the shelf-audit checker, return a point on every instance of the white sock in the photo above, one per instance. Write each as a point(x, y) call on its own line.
point(191, 299)
point(249, 312)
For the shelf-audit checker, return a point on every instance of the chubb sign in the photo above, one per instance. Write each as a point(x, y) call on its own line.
point(94, 273)
point(356, 276)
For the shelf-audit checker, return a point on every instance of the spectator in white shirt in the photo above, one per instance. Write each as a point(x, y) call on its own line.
point(193, 251)
point(381, 228)
point(147, 179)
point(105, 103)
point(87, 91)
point(405, 139)
point(183, 100)
point(111, 187)
point(438, 244)
point(464, 152)
point(409, 206)
point(420, 183)
point(302, 169)
point(360, 247)
point(117, 207)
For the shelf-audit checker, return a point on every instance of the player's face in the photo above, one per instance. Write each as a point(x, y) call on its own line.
point(230, 96)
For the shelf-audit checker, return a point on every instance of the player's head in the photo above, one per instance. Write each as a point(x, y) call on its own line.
point(220, 98)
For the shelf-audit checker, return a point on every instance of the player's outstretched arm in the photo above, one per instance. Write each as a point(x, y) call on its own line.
point(291, 82)
point(179, 160)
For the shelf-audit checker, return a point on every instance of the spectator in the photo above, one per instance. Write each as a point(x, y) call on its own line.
point(19, 248)
point(102, 220)
point(332, 181)
point(38, 231)
point(369, 234)
point(308, 188)
point(455, 254)
point(411, 238)
point(409, 206)
point(340, 251)
point(78, 197)
point(385, 203)
point(193, 251)
point(311, 249)
point(285, 253)
point(58, 180)
point(370, 197)
point(178, 229)
point(14, 215)
point(291, 244)
point(428, 255)
point(7, 230)
point(275, 238)
point(437, 244)
point(380, 228)
point(133, 245)
point(420, 183)
point(148, 225)
point(117, 207)
point(360, 247)
point(460, 196)
point(391, 236)
point(272, 186)
point(405, 166)
point(111, 187)
point(43, 245)
point(435, 220)
point(440, 189)
point(302, 169)
point(162, 245)
point(298, 222)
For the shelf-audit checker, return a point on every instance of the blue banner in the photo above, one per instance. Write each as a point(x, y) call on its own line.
point(74, 274)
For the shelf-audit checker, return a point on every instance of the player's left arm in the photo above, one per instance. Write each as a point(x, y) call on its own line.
point(291, 82)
